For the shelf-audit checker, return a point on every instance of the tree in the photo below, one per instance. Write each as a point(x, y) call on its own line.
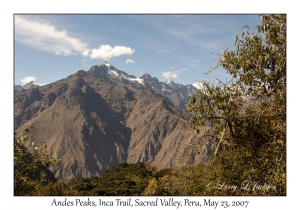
point(248, 113)
point(31, 164)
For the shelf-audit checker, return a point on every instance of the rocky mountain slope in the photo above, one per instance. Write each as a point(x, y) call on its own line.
point(96, 119)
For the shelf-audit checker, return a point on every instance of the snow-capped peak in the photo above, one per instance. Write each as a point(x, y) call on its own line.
point(197, 85)
point(105, 63)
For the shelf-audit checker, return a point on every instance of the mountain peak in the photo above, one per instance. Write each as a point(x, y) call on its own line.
point(146, 75)
point(116, 76)
point(30, 85)
point(106, 117)
point(104, 63)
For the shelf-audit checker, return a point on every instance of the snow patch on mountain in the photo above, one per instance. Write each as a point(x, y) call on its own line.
point(139, 80)
point(112, 72)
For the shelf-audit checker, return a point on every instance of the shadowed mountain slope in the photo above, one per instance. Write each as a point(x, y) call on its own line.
point(95, 120)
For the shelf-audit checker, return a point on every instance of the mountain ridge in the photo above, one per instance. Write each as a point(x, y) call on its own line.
point(94, 120)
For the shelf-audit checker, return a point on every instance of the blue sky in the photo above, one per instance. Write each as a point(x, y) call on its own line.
point(47, 67)
point(178, 47)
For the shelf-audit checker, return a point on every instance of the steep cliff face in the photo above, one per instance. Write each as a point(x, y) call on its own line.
point(93, 121)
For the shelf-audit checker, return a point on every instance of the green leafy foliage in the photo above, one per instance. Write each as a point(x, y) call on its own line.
point(247, 116)
point(248, 113)
point(58, 188)
point(31, 164)
point(122, 180)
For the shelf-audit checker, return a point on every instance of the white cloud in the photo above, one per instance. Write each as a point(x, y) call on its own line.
point(197, 85)
point(194, 63)
point(28, 79)
point(85, 53)
point(184, 69)
point(163, 51)
point(172, 67)
point(46, 37)
point(107, 52)
point(84, 63)
point(129, 61)
point(169, 74)
point(192, 28)
point(42, 84)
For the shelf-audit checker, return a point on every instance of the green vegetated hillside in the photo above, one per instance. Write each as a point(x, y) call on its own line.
point(248, 120)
